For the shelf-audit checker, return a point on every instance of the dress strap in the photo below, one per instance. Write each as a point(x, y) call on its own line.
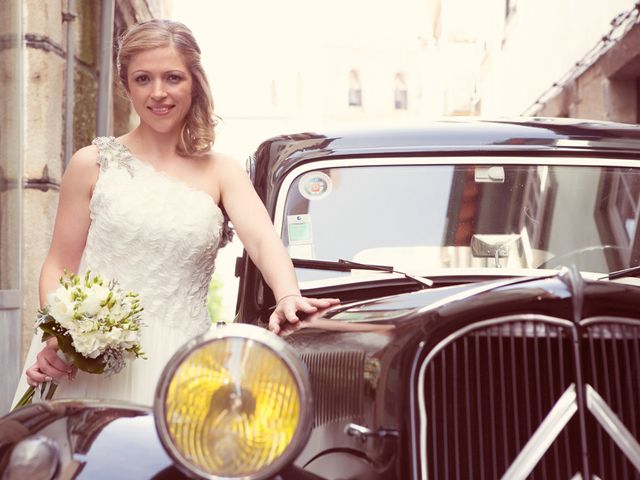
point(111, 152)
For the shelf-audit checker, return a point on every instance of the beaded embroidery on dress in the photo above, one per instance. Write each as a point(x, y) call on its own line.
point(159, 237)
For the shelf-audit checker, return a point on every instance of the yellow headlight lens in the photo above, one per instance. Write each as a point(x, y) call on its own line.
point(232, 407)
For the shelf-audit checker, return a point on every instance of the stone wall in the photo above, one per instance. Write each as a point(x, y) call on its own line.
point(45, 61)
point(10, 108)
point(10, 198)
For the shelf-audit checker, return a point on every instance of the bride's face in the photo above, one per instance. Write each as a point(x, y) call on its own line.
point(160, 87)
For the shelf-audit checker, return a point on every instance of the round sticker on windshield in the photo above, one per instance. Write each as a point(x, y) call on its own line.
point(315, 185)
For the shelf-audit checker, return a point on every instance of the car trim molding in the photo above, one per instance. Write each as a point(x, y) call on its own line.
point(615, 320)
point(413, 411)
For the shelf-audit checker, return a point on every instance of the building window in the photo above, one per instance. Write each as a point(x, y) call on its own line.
point(355, 89)
point(627, 205)
point(400, 93)
point(274, 94)
point(537, 191)
point(618, 216)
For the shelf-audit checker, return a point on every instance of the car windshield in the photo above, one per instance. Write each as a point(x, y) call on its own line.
point(426, 218)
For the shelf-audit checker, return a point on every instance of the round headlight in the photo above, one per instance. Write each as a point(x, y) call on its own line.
point(234, 403)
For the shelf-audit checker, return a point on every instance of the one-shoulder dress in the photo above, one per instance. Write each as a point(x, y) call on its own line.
point(156, 236)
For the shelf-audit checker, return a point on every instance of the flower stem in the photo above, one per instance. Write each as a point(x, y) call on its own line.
point(46, 393)
point(49, 389)
point(26, 399)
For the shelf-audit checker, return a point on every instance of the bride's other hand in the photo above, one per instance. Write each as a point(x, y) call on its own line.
point(49, 366)
point(285, 315)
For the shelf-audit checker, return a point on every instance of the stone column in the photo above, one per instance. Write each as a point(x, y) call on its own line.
point(10, 199)
point(44, 64)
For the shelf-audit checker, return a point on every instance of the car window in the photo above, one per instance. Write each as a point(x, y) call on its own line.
point(422, 218)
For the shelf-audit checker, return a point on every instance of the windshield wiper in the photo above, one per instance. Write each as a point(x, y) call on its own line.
point(626, 272)
point(347, 265)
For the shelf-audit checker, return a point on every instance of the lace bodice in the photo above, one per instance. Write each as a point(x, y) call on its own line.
point(156, 235)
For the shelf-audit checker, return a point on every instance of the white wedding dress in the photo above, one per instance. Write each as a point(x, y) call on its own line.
point(156, 236)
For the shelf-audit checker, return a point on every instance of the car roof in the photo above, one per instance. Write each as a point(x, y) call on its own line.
point(453, 136)
point(277, 157)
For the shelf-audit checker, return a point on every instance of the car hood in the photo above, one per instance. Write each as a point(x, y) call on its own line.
point(560, 294)
point(402, 306)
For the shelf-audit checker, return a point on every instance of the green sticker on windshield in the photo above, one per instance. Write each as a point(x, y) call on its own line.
point(299, 227)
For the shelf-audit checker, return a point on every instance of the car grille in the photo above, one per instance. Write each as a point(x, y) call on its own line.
point(517, 396)
point(336, 375)
point(611, 354)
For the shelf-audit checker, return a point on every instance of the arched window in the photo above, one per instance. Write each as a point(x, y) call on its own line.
point(400, 93)
point(355, 89)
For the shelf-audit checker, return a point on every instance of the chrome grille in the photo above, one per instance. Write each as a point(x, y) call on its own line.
point(485, 392)
point(336, 375)
point(490, 399)
point(612, 368)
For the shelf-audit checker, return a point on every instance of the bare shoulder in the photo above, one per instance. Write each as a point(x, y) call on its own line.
point(224, 166)
point(224, 161)
point(86, 158)
point(82, 170)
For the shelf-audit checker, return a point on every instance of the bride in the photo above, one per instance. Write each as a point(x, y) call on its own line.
point(146, 209)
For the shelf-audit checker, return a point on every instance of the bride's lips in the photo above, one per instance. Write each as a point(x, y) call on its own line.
point(160, 110)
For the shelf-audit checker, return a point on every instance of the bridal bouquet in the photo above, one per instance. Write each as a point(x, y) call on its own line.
point(97, 326)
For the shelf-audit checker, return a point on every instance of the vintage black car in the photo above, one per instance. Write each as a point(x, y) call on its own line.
point(489, 324)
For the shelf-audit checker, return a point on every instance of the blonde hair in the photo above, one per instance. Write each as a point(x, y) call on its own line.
point(197, 134)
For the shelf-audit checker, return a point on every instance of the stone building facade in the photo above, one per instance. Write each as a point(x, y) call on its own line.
point(561, 58)
point(604, 88)
point(566, 58)
point(35, 142)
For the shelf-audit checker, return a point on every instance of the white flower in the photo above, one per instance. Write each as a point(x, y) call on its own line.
point(114, 335)
point(86, 325)
point(89, 344)
point(102, 314)
point(117, 311)
point(96, 295)
point(61, 306)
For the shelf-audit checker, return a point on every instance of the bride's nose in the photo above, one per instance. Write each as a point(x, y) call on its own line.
point(158, 92)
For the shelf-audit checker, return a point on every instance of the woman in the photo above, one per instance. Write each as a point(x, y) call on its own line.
point(145, 209)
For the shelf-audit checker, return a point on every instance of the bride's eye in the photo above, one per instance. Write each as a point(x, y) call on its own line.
point(174, 78)
point(141, 79)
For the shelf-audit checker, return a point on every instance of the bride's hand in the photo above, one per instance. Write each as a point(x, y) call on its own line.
point(49, 366)
point(285, 315)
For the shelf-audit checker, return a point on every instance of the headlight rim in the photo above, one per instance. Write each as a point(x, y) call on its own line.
point(291, 361)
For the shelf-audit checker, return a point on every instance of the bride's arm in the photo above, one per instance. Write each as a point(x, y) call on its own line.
point(67, 243)
point(258, 235)
point(72, 220)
